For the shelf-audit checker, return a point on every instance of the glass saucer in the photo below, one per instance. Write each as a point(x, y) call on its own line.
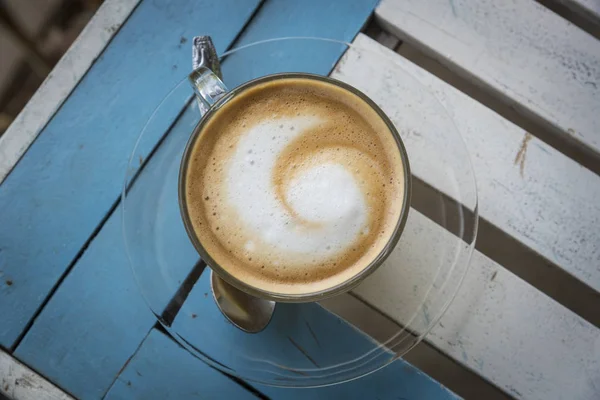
point(312, 344)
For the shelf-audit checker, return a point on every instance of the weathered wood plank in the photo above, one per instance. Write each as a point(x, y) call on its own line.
point(106, 321)
point(18, 382)
point(61, 81)
point(162, 369)
point(499, 326)
point(539, 62)
point(525, 187)
point(304, 339)
point(97, 318)
point(425, 356)
point(93, 323)
point(70, 177)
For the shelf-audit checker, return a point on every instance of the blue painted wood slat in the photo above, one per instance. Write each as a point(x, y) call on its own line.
point(97, 318)
point(86, 337)
point(70, 177)
point(163, 370)
point(159, 359)
point(82, 312)
point(308, 341)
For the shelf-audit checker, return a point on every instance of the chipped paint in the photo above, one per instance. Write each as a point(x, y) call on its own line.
point(522, 153)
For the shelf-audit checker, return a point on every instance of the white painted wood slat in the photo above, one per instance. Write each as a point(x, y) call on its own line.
point(61, 81)
point(540, 61)
point(538, 195)
point(18, 382)
point(500, 326)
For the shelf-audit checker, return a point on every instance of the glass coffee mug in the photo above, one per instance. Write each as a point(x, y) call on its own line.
point(307, 343)
point(212, 94)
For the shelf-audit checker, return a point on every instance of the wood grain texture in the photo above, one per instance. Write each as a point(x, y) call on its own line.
point(61, 81)
point(525, 187)
point(539, 62)
point(499, 326)
point(307, 342)
point(93, 323)
point(71, 176)
point(162, 369)
point(18, 382)
point(97, 318)
point(85, 309)
point(426, 357)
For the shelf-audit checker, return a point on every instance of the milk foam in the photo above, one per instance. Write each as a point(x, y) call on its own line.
point(326, 196)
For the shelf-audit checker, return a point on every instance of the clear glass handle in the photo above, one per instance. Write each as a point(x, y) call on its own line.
point(207, 86)
point(205, 79)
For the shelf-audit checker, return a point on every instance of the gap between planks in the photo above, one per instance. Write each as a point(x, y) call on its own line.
point(126, 363)
point(500, 246)
point(117, 202)
point(426, 357)
point(577, 13)
point(504, 106)
point(513, 255)
point(235, 379)
point(376, 32)
point(63, 286)
point(449, 385)
point(90, 239)
point(476, 316)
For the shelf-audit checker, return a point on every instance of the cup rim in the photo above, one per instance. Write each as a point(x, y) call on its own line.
point(302, 297)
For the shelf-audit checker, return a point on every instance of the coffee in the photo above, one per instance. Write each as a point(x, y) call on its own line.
point(294, 185)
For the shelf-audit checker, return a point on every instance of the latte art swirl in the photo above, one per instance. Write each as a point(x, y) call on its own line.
point(313, 207)
point(294, 186)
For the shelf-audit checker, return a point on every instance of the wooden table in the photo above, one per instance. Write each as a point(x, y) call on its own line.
point(523, 86)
